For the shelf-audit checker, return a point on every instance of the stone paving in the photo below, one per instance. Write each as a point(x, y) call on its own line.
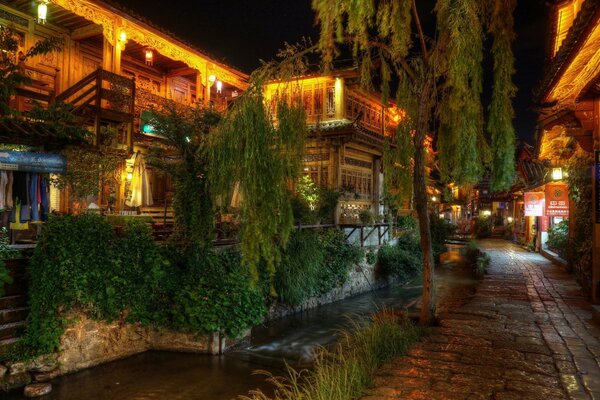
point(527, 333)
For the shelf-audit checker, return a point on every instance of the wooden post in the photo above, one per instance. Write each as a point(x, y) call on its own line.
point(98, 116)
point(595, 199)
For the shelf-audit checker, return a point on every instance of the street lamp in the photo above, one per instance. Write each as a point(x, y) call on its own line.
point(557, 174)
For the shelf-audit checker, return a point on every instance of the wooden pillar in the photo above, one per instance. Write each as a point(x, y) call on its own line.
point(199, 88)
point(340, 98)
point(595, 216)
point(108, 51)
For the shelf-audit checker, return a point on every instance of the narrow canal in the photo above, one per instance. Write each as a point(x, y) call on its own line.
point(174, 376)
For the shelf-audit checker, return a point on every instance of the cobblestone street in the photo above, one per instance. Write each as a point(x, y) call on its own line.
point(526, 334)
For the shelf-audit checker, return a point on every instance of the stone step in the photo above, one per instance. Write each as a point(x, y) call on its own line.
point(6, 344)
point(15, 301)
point(13, 315)
point(16, 288)
point(11, 330)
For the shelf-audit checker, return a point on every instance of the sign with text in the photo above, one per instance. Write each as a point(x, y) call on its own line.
point(557, 200)
point(534, 204)
point(545, 222)
point(32, 162)
point(597, 184)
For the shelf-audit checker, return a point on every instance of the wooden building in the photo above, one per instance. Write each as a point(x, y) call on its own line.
point(114, 65)
point(348, 127)
point(569, 97)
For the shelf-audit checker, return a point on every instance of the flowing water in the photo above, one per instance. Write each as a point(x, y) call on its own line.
point(174, 376)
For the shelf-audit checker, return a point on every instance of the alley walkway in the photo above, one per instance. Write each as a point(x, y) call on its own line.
point(526, 334)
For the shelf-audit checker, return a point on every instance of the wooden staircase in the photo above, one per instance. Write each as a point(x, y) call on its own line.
point(102, 98)
point(13, 306)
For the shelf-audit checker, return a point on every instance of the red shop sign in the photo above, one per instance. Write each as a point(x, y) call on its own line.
point(557, 200)
point(534, 204)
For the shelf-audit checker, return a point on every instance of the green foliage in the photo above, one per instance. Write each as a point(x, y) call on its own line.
point(441, 231)
point(460, 110)
point(483, 227)
point(558, 238)
point(478, 260)
point(88, 170)
point(371, 257)
point(346, 371)
point(81, 263)
point(366, 217)
point(509, 231)
point(187, 131)
point(398, 167)
point(407, 222)
point(313, 263)
point(402, 260)
point(580, 193)
point(215, 295)
point(6, 253)
point(482, 264)
point(308, 191)
point(501, 110)
point(249, 150)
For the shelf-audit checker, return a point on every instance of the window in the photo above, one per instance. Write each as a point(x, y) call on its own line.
point(330, 102)
point(318, 174)
point(359, 182)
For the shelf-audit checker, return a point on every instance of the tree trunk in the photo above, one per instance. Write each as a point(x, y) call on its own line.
point(427, 317)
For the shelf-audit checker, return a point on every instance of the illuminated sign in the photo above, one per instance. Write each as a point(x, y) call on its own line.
point(33, 162)
point(557, 200)
point(534, 204)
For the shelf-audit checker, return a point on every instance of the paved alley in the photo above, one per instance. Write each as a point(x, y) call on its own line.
point(526, 334)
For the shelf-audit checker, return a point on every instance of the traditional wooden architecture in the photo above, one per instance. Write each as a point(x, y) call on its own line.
point(569, 96)
point(114, 66)
point(348, 127)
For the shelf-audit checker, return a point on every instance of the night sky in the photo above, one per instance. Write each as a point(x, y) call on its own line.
point(241, 33)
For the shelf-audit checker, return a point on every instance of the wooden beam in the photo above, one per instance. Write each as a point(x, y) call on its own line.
point(181, 72)
point(86, 32)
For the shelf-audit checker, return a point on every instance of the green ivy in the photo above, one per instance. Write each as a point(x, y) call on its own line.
point(402, 260)
point(81, 263)
point(313, 263)
point(558, 238)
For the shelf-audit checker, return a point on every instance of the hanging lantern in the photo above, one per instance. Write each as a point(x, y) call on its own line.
point(557, 174)
point(149, 57)
point(123, 37)
point(42, 10)
point(219, 86)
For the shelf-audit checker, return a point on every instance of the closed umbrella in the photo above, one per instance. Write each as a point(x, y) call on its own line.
point(139, 187)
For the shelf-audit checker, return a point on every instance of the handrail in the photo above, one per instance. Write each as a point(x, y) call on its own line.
point(77, 86)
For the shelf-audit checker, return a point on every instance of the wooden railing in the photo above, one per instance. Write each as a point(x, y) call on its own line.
point(42, 87)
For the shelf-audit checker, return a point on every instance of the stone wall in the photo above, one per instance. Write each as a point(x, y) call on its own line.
point(361, 279)
point(87, 343)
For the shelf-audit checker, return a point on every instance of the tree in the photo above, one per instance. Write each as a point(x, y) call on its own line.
point(439, 81)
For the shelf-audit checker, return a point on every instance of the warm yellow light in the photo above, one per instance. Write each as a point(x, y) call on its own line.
point(212, 79)
point(123, 37)
point(486, 213)
point(42, 10)
point(557, 174)
point(219, 86)
point(510, 220)
point(149, 57)
point(129, 176)
point(433, 198)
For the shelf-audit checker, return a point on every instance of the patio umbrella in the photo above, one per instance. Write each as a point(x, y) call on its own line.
point(139, 187)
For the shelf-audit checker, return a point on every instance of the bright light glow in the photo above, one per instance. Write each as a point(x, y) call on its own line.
point(187, 139)
point(557, 174)
point(212, 79)
point(219, 86)
point(122, 37)
point(42, 10)
point(129, 176)
point(433, 198)
point(149, 57)
point(510, 220)
point(486, 213)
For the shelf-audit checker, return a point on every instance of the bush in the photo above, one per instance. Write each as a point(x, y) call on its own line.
point(441, 231)
point(81, 263)
point(558, 238)
point(313, 263)
point(349, 368)
point(483, 227)
point(5, 253)
point(478, 260)
point(402, 260)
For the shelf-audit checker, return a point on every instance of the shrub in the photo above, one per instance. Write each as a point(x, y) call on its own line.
point(476, 259)
point(402, 260)
point(5, 253)
point(313, 263)
point(347, 370)
point(441, 231)
point(558, 238)
point(483, 227)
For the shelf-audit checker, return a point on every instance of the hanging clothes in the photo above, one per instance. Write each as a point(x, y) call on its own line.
point(9, 190)
point(18, 225)
point(3, 189)
point(44, 206)
point(139, 187)
point(33, 196)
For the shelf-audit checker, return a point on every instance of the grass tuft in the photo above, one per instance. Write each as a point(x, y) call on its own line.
point(347, 370)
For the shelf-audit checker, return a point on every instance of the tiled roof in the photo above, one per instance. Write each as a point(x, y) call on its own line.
point(586, 17)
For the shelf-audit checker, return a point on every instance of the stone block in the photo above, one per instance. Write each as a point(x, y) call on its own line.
point(17, 368)
point(46, 376)
point(37, 389)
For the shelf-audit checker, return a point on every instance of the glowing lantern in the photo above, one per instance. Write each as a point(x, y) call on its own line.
point(219, 86)
point(149, 57)
point(212, 79)
point(42, 10)
point(557, 174)
point(122, 37)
